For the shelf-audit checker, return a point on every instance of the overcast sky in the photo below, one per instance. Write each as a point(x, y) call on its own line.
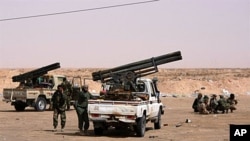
point(209, 33)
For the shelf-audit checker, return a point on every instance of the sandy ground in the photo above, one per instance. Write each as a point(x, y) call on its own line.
point(31, 125)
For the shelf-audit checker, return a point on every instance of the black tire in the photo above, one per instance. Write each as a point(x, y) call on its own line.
point(157, 124)
point(19, 106)
point(98, 131)
point(40, 104)
point(141, 126)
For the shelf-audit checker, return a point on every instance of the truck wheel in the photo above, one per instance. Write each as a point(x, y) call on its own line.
point(98, 131)
point(157, 124)
point(141, 126)
point(40, 104)
point(20, 106)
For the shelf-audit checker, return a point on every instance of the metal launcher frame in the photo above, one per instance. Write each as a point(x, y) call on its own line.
point(120, 77)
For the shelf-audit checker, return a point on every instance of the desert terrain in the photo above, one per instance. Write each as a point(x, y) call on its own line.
point(177, 87)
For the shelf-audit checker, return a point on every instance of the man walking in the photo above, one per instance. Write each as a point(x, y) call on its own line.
point(58, 102)
point(82, 109)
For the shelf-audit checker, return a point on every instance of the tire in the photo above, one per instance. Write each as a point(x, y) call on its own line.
point(40, 104)
point(157, 124)
point(141, 126)
point(98, 131)
point(19, 106)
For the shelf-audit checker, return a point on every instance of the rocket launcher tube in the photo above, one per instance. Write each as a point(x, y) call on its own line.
point(140, 68)
point(35, 73)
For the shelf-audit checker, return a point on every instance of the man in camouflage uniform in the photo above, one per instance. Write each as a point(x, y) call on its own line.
point(58, 102)
point(82, 109)
point(222, 104)
point(67, 88)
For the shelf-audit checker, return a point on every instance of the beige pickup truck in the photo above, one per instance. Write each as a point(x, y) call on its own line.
point(35, 88)
point(37, 96)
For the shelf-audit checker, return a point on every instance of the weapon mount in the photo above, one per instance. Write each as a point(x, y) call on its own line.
point(120, 77)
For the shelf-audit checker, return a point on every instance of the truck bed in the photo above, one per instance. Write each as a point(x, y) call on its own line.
point(114, 111)
point(16, 94)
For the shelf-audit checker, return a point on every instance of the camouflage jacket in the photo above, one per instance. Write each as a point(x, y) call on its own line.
point(67, 87)
point(223, 102)
point(58, 100)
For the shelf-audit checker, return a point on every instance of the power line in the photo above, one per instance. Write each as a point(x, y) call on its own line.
point(75, 11)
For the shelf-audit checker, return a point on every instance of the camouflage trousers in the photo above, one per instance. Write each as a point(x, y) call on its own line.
point(223, 108)
point(62, 114)
point(68, 102)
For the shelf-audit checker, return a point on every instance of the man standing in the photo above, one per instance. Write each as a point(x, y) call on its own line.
point(82, 109)
point(58, 102)
point(67, 89)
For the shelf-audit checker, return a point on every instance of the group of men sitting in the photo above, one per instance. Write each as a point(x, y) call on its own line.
point(205, 105)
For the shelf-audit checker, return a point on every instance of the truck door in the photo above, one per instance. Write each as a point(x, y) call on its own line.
point(153, 101)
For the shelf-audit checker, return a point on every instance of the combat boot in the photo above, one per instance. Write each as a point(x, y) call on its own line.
point(85, 132)
point(82, 133)
point(54, 130)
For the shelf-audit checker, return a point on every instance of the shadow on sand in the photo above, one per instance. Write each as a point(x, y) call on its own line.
point(112, 133)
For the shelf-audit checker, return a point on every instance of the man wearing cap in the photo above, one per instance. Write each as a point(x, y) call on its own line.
point(82, 109)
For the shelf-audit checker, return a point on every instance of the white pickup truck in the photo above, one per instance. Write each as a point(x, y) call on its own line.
point(144, 107)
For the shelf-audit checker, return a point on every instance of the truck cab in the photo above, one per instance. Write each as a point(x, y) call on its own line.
point(146, 86)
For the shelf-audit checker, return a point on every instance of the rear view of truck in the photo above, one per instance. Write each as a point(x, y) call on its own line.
point(118, 114)
point(129, 100)
point(130, 113)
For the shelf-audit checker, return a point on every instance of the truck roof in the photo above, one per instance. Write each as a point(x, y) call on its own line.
point(144, 79)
